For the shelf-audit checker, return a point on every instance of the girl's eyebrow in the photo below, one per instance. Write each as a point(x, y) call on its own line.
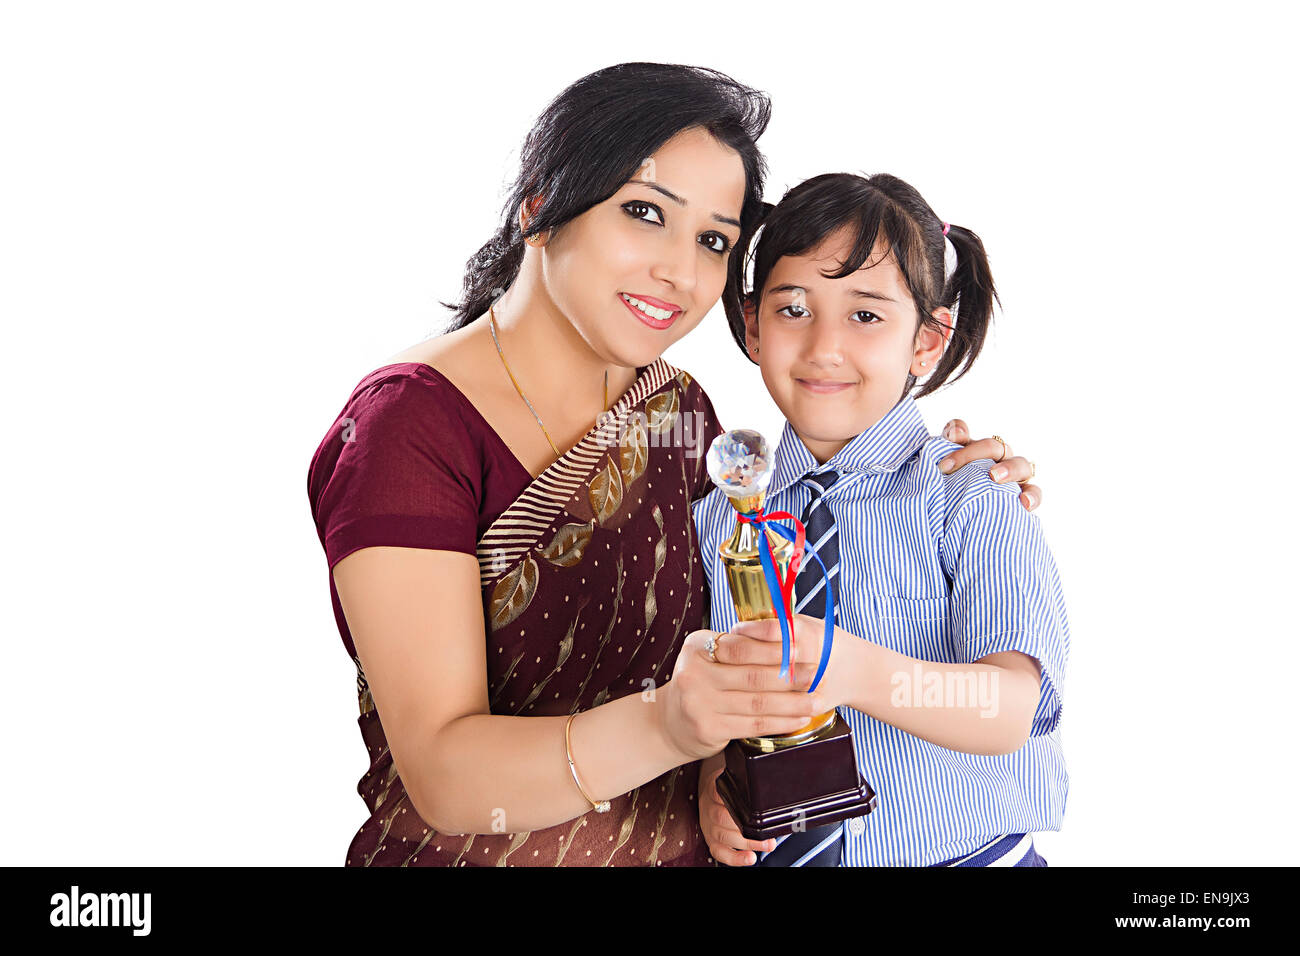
point(679, 200)
point(856, 293)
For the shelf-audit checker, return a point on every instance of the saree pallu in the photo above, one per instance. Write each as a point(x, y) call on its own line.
point(591, 580)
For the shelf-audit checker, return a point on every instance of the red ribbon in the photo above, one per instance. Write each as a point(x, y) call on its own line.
point(757, 517)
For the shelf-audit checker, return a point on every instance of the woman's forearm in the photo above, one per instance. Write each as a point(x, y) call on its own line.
point(974, 708)
point(498, 774)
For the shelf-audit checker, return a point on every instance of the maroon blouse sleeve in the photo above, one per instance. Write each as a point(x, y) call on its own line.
point(397, 468)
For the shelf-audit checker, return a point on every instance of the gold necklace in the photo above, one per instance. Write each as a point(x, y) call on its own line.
point(492, 324)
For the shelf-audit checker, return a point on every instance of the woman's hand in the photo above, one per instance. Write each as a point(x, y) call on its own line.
point(1008, 468)
point(762, 645)
point(706, 704)
point(726, 843)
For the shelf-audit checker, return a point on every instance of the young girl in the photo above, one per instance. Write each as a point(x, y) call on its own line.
point(952, 637)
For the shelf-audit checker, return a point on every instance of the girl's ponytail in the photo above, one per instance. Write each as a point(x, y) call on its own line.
point(969, 293)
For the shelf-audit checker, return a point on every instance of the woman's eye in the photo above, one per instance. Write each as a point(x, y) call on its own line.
point(786, 311)
point(637, 210)
point(722, 243)
point(871, 318)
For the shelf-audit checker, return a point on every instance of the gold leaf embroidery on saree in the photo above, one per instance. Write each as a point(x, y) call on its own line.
point(515, 844)
point(566, 648)
point(661, 832)
point(606, 491)
point(566, 548)
point(625, 831)
point(661, 411)
point(565, 844)
point(634, 450)
point(513, 593)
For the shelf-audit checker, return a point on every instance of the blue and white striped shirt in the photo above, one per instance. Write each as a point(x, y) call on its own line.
point(946, 568)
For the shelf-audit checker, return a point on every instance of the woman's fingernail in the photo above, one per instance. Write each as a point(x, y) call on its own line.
point(945, 466)
point(998, 474)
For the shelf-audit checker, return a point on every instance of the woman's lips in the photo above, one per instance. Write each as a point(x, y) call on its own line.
point(657, 324)
point(823, 388)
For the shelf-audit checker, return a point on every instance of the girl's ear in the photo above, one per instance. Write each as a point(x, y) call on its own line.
point(751, 327)
point(931, 342)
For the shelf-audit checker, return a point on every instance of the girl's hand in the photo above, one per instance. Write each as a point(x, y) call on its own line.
point(706, 704)
point(726, 843)
point(762, 645)
point(1017, 469)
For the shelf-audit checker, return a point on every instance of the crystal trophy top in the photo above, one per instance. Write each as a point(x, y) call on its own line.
point(739, 463)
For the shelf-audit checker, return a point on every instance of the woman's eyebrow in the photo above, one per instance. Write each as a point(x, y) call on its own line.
point(679, 200)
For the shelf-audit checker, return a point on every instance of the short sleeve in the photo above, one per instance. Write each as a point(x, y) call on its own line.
point(1006, 593)
point(398, 469)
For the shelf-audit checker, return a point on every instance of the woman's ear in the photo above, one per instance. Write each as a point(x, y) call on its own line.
point(528, 211)
point(751, 327)
point(931, 342)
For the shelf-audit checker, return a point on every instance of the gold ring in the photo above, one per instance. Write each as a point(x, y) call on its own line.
point(1031, 472)
point(1003, 444)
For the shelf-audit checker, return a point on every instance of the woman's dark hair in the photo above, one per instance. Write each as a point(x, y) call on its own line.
point(871, 206)
point(594, 137)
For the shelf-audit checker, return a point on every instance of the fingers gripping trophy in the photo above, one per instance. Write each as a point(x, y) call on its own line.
point(778, 784)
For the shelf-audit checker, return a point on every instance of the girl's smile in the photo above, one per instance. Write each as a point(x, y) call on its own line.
point(824, 386)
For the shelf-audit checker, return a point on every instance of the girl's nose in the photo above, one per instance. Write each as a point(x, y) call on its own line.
point(822, 344)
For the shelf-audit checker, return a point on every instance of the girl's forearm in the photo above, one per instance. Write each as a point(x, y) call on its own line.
point(973, 708)
point(498, 774)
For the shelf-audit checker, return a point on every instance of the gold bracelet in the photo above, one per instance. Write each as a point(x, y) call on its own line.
point(603, 805)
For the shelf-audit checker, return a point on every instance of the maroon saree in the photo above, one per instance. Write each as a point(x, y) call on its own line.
point(591, 579)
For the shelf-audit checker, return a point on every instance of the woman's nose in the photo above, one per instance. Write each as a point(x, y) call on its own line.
point(677, 265)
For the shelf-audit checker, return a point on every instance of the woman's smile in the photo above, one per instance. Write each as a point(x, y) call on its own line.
point(653, 312)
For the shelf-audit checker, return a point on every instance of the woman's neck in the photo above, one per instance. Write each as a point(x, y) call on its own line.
point(552, 363)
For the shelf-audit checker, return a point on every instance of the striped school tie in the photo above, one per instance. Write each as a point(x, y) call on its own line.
point(818, 846)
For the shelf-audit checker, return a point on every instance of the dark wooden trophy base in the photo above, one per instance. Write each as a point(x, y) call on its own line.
point(770, 789)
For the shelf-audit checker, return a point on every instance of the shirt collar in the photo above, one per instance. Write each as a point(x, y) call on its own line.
point(883, 447)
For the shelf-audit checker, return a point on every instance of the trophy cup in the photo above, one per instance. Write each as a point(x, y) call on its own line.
point(778, 784)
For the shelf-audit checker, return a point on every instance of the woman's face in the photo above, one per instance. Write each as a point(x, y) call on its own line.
point(664, 239)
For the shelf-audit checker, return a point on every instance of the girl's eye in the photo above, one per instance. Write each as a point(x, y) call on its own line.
point(637, 210)
point(786, 311)
point(872, 318)
point(723, 243)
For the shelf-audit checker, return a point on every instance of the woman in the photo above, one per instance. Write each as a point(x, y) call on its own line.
point(468, 491)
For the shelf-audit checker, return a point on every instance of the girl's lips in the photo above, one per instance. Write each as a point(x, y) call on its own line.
point(821, 388)
point(657, 324)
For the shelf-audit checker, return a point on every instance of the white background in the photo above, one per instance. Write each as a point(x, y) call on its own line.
point(217, 217)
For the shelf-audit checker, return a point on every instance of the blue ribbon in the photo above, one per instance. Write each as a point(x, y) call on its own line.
point(783, 613)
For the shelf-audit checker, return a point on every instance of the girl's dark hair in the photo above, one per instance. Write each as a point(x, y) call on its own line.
point(820, 206)
point(594, 137)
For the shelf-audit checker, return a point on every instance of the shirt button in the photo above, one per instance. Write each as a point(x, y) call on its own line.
point(856, 826)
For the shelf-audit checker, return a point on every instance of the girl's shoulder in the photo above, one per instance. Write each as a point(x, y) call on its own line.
point(969, 487)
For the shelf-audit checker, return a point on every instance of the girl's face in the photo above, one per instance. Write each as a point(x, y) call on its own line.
point(835, 353)
point(663, 239)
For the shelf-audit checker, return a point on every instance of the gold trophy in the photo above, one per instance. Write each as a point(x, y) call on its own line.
point(776, 785)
